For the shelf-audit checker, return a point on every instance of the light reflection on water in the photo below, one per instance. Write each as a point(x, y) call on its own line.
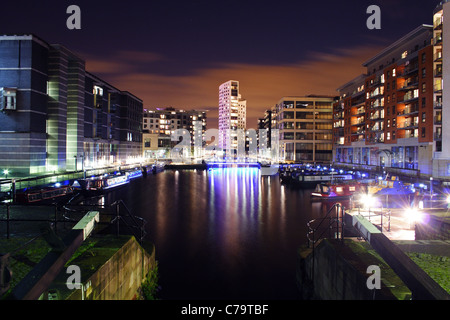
point(223, 233)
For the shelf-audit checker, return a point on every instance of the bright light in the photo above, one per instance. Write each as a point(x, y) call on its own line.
point(57, 185)
point(367, 200)
point(414, 215)
point(448, 199)
point(6, 171)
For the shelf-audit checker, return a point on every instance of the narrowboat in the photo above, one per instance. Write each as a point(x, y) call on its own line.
point(44, 195)
point(333, 191)
point(101, 184)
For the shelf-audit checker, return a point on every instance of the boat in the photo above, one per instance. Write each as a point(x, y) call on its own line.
point(339, 190)
point(391, 186)
point(134, 174)
point(44, 195)
point(101, 184)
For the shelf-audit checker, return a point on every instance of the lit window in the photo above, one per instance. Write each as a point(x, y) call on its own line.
point(8, 99)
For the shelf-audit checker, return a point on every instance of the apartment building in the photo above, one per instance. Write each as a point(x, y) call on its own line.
point(305, 128)
point(161, 123)
point(391, 116)
point(56, 116)
point(441, 98)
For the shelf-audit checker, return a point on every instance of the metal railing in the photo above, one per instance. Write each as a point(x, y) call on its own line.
point(333, 227)
point(115, 213)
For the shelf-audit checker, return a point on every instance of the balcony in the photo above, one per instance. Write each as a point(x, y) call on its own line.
point(360, 111)
point(376, 140)
point(438, 104)
point(437, 40)
point(437, 24)
point(408, 125)
point(408, 71)
point(409, 97)
point(438, 56)
point(358, 123)
point(438, 87)
point(438, 120)
point(410, 110)
point(411, 134)
point(376, 127)
point(358, 132)
point(374, 83)
point(411, 84)
point(438, 71)
point(438, 136)
point(377, 104)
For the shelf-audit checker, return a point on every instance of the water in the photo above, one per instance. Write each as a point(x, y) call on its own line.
point(222, 234)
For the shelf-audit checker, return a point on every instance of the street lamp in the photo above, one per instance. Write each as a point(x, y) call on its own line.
point(6, 172)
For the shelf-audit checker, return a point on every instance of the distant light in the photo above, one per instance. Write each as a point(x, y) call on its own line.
point(57, 185)
point(448, 199)
point(380, 178)
point(363, 175)
point(341, 171)
point(6, 171)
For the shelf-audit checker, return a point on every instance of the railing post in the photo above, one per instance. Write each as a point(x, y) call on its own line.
point(7, 221)
point(117, 217)
point(55, 217)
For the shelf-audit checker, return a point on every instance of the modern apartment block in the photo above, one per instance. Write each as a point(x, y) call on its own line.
point(232, 115)
point(391, 117)
point(56, 115)
point(305, 128)
point(441, 67)
point(161, 123)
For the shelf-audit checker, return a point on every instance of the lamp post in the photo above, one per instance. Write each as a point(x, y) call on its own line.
point(6, 172)
point(431, 191)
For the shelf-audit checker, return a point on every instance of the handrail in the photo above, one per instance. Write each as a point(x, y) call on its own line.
point(338, 219)
point(135, 224)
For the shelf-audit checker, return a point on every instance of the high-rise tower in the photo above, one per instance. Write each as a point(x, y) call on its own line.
point(232, 115)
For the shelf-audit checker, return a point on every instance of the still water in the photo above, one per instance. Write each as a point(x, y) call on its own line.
point(224, 233)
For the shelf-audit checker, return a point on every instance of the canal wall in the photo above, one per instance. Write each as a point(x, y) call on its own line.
point(339, 273)
point(435, 228)
point(112, 268)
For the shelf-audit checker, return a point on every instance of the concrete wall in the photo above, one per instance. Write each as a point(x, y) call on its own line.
point(434, 228)
point(120, 277)
point(337, 275)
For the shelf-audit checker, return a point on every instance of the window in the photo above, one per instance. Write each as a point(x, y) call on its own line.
point(424, 87)
point(424, 102)
point(8, 98)
point(423, 116)
point(423, 132)
point(424, 57)
point(424, 72)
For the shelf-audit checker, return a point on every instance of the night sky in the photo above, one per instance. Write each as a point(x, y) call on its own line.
point(177, 53)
